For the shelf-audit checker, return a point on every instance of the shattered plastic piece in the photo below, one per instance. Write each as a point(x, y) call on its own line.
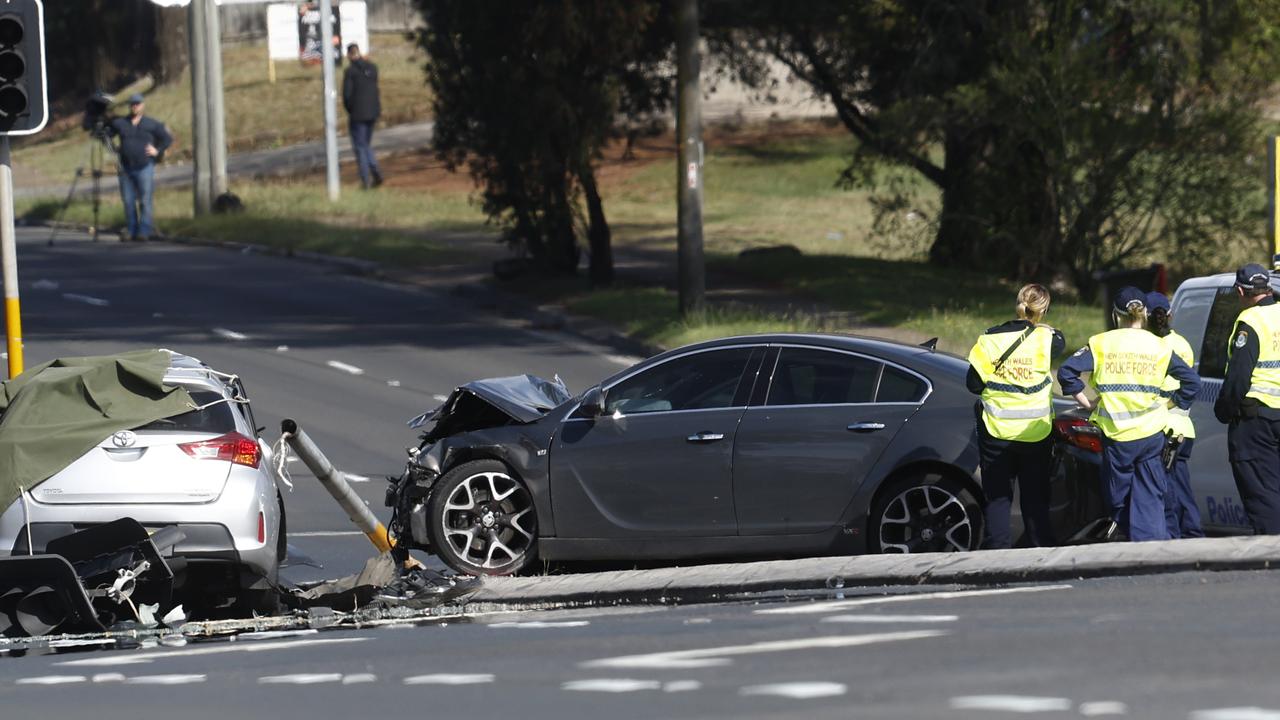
point(147, 614)
point(175, 618)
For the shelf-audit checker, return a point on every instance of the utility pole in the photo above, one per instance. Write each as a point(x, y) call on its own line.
point(200, 160)
point(217, 119)
point(690, 262)
point(330, 100)
point(9, 258)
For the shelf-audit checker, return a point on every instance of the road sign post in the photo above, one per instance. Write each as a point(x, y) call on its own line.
point(330, 99)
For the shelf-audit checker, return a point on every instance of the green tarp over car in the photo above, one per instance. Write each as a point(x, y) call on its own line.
point(53, 413)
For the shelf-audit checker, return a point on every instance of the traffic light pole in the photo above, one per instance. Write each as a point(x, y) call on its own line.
point(330, 100)
point(9, 258)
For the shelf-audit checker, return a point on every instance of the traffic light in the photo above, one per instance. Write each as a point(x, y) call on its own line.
point(23, 95)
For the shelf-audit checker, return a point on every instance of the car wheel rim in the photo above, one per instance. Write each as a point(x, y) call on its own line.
point(488, 521)
point(926, 518)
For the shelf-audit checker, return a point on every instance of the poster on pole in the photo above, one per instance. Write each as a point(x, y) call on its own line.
point(355, 24)
point(282, 31)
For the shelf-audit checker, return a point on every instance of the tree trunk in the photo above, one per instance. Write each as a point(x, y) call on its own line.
point(170, 44)
point(961, 232)
point(599, 237)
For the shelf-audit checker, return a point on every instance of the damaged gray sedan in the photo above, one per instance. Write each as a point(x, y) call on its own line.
point(775, 446)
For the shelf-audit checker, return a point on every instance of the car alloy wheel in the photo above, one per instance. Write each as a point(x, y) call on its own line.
point(928, 514)
point(483, 520)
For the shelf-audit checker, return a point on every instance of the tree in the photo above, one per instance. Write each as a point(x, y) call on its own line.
point(527, 94)
point(1064, 136)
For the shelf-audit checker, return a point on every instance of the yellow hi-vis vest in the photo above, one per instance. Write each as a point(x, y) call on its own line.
point(1017, 402)
point(1264, 386)
point(1129, 368)
point(1179, 422)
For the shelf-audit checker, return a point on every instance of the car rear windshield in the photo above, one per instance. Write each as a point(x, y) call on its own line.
point(213, 419)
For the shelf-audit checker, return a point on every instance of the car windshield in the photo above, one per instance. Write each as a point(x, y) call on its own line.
point(216, 418)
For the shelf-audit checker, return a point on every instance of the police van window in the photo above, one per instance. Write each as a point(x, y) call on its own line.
point(701, 381)
point(1217, 332)
point(899, 386)
point(818, 377)
point(1191, 314)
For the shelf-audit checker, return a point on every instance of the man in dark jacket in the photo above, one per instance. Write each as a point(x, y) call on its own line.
point(140, 143)
point(360, 98)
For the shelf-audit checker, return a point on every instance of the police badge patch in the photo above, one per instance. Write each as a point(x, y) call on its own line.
point(1242, 338)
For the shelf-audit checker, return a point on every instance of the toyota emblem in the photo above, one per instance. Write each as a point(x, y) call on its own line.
point(124, 439)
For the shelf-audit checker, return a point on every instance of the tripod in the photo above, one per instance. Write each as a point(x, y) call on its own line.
point(98, 147)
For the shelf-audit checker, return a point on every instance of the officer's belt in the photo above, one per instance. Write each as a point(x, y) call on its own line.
point(1009, 388)
point(1019, 414)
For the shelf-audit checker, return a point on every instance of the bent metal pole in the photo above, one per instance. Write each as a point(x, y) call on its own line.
point(336, 483)
point(9, 258)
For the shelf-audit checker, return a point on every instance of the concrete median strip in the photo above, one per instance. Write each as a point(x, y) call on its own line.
point(990, 567)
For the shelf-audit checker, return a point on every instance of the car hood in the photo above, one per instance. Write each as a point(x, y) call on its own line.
point(495, 401)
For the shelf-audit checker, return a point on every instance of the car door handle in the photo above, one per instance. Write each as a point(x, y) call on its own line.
point(705, 437)
point(865, 427)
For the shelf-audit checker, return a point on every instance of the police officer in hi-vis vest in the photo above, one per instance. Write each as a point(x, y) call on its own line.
point(1009, 368)
point(1128, 368)
point(1250, 400)
point(1181, 514)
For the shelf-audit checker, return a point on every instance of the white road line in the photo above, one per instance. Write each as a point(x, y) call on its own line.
point(449, 679)
point(226, 334)
point(325, 533)
point(50, 680)
point(1103, 707)
point(891, 618)
point(86, 299)
point(165, 679)
point(717, 656)
point(358, 678)
point(108, 677)
point(440, 398)
point(1010, 703)
point(351, 369)
point(676, 686)
point(393, 383)
point(835, 605)
point(44, 285)
point(282, 348)
point(541, 624)
point(1236, 713)
point(274, 634)
point(352, 477)
point(797, 690)
point(611, 685)
point(625, 360)
point(301, 679)
point(138, 658)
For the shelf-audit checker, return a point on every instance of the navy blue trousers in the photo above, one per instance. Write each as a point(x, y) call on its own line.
point(1133, 483)
point(1180, 511)
point(1253, 444)
point(1003, 462)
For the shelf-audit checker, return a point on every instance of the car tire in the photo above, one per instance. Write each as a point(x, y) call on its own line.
point(482, 521)
point(926, 512)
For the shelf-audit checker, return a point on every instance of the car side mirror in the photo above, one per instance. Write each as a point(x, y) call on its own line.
point(592, 404)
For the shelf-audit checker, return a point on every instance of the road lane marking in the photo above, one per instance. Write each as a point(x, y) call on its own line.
point(676, 686)
point(352, 477)
point(624, 360)
point(835, 605)
point(44, 285)
point(358, 678)
point(440, 398)
point(718, 656)
point(1010, 703)
point(611, 685)
point(86, 299)
point(1103, 707)
point(108, 677)
point(165, 679)
point(325, 533)
point(393, 383)
point(797, 690)
point(282, 348)
point(541, 624)
point(139, 658)
point(891, 618)
point(301, 679)
point(226, 334)
point(1236, 713)
point(350, 369)
point(50, 680)
point(450, 679)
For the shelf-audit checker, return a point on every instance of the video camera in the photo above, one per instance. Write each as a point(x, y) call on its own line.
point(96, 110)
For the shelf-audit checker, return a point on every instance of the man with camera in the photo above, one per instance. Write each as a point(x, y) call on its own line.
point(140, 144)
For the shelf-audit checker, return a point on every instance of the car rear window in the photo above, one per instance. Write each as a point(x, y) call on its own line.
point(213, 419)
point(900, 386)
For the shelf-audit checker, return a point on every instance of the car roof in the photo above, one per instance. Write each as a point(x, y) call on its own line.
point(188, 370)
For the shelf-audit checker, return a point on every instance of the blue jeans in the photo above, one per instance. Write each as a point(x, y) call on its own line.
point(361, 138)
point(1134, 483)
point(136, 186)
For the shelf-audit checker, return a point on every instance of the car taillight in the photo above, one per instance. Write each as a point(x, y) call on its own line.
point(1079, 432)
point(232, 447)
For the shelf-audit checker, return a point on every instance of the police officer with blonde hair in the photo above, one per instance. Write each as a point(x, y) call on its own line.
point(1128, 367)
point(1250, 400)
point(1009, 368)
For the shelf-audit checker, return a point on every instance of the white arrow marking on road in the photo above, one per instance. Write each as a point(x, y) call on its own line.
point(1010, 703)
point(611, 685)
point(797, 690)
point(301, 679)
point(138, 658)
point(835, 605)
point(1103, 707)
point(712, 657)
point(166, 679)
point(449, 679)
point(229, 334)
point(86, 299)
point(352, 369)
point(1236, 713)
point(51, 680)
point(891, 618)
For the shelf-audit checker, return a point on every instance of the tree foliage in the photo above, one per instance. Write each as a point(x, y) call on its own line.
point(1065, 136)
point(526, 95)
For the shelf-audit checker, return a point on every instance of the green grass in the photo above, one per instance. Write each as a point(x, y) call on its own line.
point(258, 114)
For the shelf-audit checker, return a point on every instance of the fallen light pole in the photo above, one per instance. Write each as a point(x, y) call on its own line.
point(336, 483)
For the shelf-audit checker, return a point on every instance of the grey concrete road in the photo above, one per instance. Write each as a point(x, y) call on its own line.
point(1196, 646)
point(351, 359)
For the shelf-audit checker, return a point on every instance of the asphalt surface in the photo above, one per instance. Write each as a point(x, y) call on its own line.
point(1199, 646)
point(350, 359)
